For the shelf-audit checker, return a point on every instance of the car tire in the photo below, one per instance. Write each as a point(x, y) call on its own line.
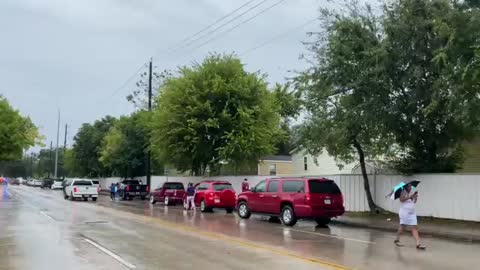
point(322, 222)
point(229, 210)
point(287, 216)
point(243, 210)
point(152, 199)
point(203, 207)
point(65, 196)
point(85, 199)
point(130, 198)
point(94, 199)
point(71, 197)
point(143, 198)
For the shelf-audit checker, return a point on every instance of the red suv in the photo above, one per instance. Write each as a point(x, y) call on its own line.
point(292, 199)
point(215, 194)
point(170, 193)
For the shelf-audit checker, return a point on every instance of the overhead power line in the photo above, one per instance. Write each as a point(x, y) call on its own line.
point(277, 37)
point(239, 24)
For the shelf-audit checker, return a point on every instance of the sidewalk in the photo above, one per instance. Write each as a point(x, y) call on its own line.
point(441, 228)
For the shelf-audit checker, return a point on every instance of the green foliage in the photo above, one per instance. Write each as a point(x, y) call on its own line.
point(433, 72)
point(87, 147)
point(124, 146)
point(214, 112)
point(17, 133)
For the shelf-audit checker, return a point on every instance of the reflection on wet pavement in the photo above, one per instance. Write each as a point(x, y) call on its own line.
point(160, 237)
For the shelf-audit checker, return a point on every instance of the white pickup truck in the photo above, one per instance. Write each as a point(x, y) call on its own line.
point(80, 188)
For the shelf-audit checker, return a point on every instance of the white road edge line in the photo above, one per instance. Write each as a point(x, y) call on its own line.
point(110, 253)
point(48, 216)
point(331, 236)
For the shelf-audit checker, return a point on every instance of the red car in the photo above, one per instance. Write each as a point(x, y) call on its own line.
point(292, 199)
point(215, 194)
point(170, 193)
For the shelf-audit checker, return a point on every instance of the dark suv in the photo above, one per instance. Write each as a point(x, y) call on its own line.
point(291, 199)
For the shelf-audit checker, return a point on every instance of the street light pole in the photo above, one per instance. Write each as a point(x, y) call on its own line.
point(56, 150)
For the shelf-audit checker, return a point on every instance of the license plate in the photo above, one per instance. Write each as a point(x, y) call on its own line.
point(327, 202)
point(217, 200)
point(137, 193)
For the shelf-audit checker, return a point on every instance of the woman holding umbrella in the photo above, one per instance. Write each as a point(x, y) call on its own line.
point(407, 213)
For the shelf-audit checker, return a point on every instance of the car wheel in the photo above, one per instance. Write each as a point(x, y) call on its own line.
point(243, 211)
point(288, 216)
point(166, 201)
point(229, 210)
point(152, 199)
point(71, 197)
point(94, 199)
point(85, 199)
point(322, 222)
point(65, 196)
point(203, 206)
point(130, 198)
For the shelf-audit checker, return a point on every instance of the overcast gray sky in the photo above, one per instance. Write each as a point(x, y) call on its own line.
point(73, 55)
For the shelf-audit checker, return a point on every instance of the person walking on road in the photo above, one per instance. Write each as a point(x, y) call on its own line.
point(245, 185)
point(112, 191)
point(190, 204)
point(408, 215)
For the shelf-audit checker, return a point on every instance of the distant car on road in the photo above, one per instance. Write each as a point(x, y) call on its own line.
point(80, 188)
point(36, 183)
point(292, 199)
point(214, 194)
point(170, 193)
point(14, 182)
point(46, 183)
point(57, 184)
point(133, 188)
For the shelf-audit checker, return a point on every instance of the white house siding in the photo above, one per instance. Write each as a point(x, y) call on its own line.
point(326, 165)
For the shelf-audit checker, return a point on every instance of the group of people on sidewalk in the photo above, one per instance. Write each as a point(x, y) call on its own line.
point(114, 190)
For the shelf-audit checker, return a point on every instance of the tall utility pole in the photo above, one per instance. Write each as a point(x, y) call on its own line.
point(50, 163)
point(149, 154)
point(56, 150)
point(64, 151)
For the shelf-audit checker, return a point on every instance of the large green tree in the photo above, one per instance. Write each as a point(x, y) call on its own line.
point(214, 112)
point(342, 92)
point(125, 146)
point(17, 133)
point(87, 147)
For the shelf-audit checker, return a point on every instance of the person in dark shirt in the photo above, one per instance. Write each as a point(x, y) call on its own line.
point(190, 196)
point(245, 185)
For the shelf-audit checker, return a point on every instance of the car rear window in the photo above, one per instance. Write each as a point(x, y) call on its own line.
point(222, 187)
point(329, 187)
point(95, 182)
point(131, 182)
point(82, 183)
point(173, 186)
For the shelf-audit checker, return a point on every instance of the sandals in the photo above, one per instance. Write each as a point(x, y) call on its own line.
point(397, 243)
point(420, 247)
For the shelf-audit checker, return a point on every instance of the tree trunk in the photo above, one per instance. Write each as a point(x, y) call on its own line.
point(366, 184)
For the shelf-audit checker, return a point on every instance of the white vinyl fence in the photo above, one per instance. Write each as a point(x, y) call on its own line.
point(453, 196)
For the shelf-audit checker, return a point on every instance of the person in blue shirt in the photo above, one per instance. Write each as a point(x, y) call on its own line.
point(190, 204)
point(113, 188)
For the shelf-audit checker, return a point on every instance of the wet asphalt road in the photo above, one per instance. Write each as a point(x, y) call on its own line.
point(40, 230)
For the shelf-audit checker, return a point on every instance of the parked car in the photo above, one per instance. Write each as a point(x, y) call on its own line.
point(80, 188)
point(133, 188)
point(170, 193)
point(214, 194)
point(36, 183)
point(57, 184)
point(46, 183)
point(292, 199)
point(14, 182)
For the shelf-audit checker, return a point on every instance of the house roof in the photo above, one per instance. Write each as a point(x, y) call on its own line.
point(278, 158)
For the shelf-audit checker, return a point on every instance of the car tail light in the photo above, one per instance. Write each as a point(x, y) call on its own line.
point(148, 189)
point(308, 198)
point(99, 189)
point(210, 195)
point(127, 188)
point(75, 189)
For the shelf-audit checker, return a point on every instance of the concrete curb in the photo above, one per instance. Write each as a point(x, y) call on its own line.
point(426, 232)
